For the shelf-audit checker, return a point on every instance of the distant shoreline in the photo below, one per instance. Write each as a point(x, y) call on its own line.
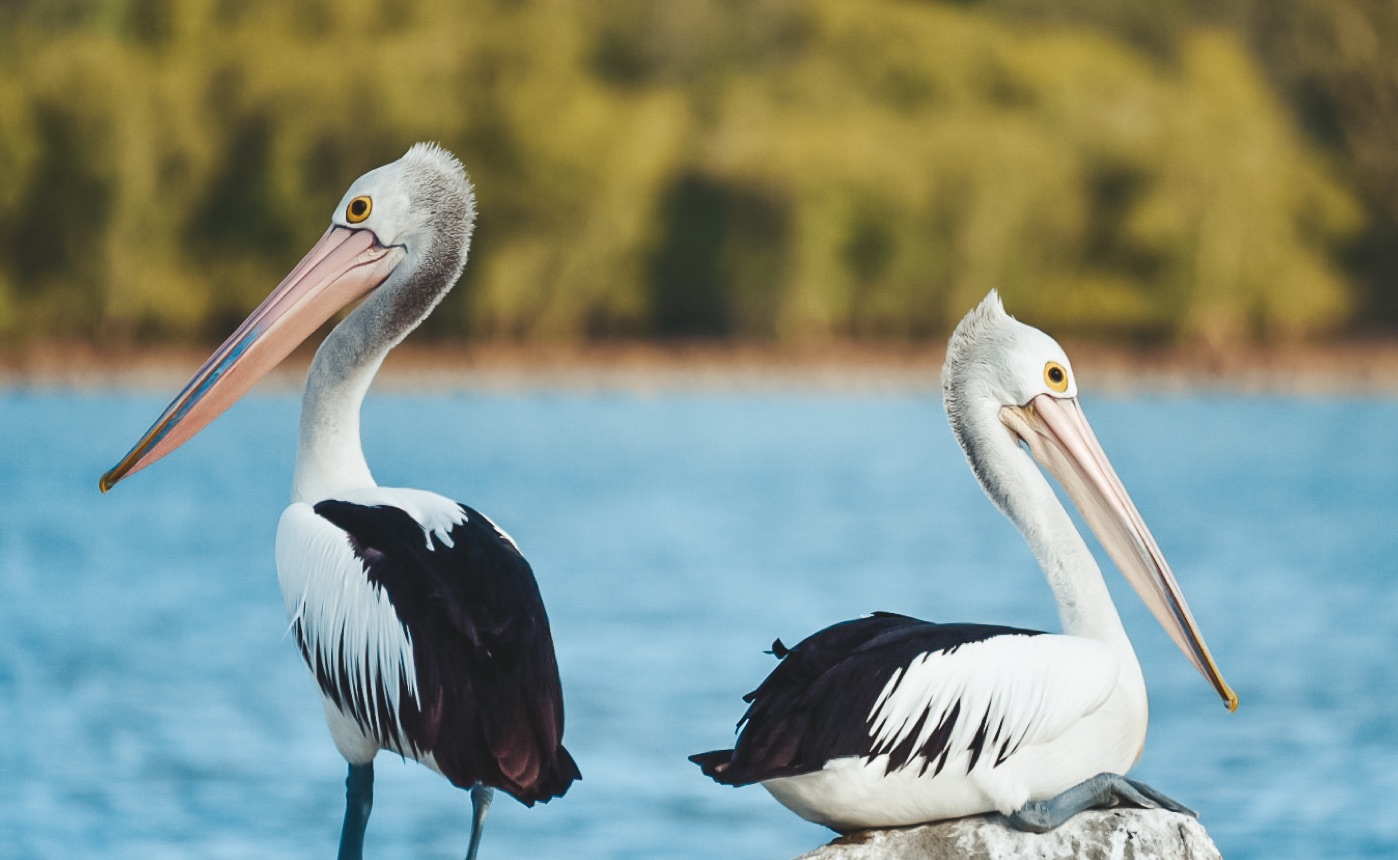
point(1341, 369)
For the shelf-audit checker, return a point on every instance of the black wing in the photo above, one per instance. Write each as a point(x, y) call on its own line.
point(489, 704)
point(815, 705)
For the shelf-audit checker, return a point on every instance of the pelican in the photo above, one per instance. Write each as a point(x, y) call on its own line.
point(887, 720)
point(419, 618)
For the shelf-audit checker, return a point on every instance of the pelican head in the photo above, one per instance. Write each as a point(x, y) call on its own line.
point(400, 235)
point(1004, 377)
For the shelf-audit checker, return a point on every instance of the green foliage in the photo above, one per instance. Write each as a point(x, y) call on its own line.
point(770, 169)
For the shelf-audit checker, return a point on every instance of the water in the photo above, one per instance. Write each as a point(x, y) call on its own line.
point(151, 706)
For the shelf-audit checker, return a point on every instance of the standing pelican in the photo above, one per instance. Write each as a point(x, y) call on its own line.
point(888, 720)
point(419, 618)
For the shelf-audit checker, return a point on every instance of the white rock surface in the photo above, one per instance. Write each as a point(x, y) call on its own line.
point(1110, 834)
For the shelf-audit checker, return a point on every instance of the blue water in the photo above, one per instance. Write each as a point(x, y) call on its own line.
point(151, 705)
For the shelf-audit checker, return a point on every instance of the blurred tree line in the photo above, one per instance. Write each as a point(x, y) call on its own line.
point(792, 170)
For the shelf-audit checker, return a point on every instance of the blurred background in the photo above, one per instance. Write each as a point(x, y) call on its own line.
point(782, 171)
point(801, 178)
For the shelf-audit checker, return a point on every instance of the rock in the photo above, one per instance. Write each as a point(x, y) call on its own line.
point(1108, 834)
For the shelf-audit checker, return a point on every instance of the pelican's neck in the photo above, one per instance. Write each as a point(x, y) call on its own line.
point(1013, 481)
point(329, 456)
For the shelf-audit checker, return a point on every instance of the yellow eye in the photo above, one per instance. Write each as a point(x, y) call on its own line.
point(1056, 376)
point(358, 209)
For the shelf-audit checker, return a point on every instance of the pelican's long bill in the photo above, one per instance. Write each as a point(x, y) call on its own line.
point(1060, 438)
point(342, 267)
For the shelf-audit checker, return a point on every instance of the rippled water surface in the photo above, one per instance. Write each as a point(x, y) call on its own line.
point(151, 705)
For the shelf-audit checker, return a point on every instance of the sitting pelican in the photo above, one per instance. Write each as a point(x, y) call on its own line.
point(888, 720)
point(419, 618)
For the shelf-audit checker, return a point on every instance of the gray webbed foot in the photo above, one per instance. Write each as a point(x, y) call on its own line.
point(1102, 791)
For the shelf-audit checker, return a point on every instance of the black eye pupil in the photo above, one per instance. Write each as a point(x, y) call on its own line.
point(357, 207)
point(1056, 374)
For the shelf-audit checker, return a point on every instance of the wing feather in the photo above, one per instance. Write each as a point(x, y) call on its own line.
point(1032, 688)
point(917, 692)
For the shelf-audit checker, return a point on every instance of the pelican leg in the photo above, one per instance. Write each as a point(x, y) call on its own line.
point(359, 800)
point(1100, 792)
point(481, 796)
